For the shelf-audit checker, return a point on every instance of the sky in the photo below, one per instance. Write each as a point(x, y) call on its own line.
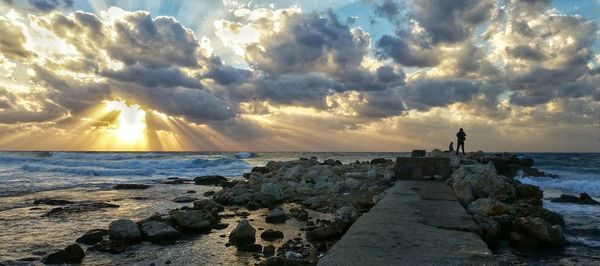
point(326, 75)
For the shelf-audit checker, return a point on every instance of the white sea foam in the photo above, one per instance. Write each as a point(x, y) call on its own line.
point(589, 186)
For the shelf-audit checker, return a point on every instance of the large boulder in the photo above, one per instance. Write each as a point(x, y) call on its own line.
point(488, 207)
point(210, 180)
point(272, 189)
point(208, 205)
point(326, 232)
point(194, 220)
point(483, 182)
point(92, 237)
point(529, 194)
point(72, 254)
point(537, 228)
point(124, 229)
point(243, 233)
point(110, 246)
point(158, 232)
point(271, 235)
point(277, 215)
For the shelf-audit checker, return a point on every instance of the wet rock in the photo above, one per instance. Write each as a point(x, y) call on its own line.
point(52, 202)
point(208, 205)
point(583, 198)
point(243, 233)
point(271, 235)
point(159, 232)
point(70, 255)
point(194, 220)
point(326, 232)
point(110, 246)
point(418, 153)
point(277, 215)
point(131, 186)
point(78, 208)
point(209, 193)
point(174, 181)
point(269, 250)
point(124, 229)
point(522, 242)
point(210, 180)
point(92, 237)
point(252, 206)
point(185, 199)
point(332, 162)
point(529, 194)
point(260, 170)
point(547, 234)
point(191, 192)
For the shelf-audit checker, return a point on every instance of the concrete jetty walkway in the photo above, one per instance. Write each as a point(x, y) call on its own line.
point(416, 223)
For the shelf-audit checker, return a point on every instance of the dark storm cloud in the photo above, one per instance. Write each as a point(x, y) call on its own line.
point(154, 77)
point(427, 93)
point(404, 51)
point(13, 41)
point(382, 104)
point(224, 74)
point(389, 9)
point(451, 21)
point(13, 111)
point(152, 42)
point(525, 52)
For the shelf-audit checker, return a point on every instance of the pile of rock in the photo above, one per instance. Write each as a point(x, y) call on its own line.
point(505, 208)
point(159, 229)
point(316, 185)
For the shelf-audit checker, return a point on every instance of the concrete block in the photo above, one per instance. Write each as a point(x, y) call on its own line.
point(422, 168)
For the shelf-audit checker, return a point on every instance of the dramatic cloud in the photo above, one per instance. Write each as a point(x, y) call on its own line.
point(13, 40)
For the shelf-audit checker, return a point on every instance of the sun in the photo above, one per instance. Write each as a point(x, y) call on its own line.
point(130, 124)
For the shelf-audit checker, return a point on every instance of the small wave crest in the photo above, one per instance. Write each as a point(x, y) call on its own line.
point(591, 187)
point(102, 155)
point(245, 155)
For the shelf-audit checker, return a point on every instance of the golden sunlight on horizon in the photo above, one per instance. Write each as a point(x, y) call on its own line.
point(130, 125)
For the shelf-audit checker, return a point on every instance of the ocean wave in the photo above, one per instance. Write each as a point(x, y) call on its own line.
point(245, 155)
point(589, 186)
point(103, 155)
point(88, 171)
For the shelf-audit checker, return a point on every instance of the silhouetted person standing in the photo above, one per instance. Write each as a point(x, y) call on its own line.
point(451, 147)
point(461, 136)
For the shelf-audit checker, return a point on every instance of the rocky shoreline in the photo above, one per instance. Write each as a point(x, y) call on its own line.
point(323, 198)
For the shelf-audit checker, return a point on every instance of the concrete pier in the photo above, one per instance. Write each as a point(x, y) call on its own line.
point(416, 223)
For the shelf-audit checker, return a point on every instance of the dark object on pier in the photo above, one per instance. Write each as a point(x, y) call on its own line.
point(422, 168)
point(418, 153)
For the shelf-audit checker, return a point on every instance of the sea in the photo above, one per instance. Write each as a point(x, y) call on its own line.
point(29, 175)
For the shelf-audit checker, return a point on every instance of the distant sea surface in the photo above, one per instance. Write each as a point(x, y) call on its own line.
point(25, 173)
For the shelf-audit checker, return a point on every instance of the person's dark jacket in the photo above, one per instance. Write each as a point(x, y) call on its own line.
point(461, 135)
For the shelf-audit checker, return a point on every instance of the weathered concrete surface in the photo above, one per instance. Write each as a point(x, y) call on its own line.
point(422, 168)
point(407, 228)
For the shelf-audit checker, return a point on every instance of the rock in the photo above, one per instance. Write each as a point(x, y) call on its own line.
point(312, 202)
point(273, 166)
point(78, 208)
point(271, 235)
point(124, 229)
point(252, 206)
point(381, 161)
point(547, 234)
point(522, 242)
point(305, 191)
point(249, 247)
point(194, 220)
point(260, 170)
point(209, 193)
point(277, 215)
point(208, 205)
point(418, 153)
point(92, 237)
point(191, 192)
point(185, 199)
point(565, 198)
point(283, 261)
point(551, 217)
point(174, 181)
point(269, 250)
point(273, 190)
point(346, 214)
point(490, 228)
point(583, 198)
point(210, 180)
point(332, 162)
point(351, 184)
point(52, 202)
point(326, 232)
point(299, 214)
point(72, 254)
point(438, 154)
point(480, 181)
point(158, 232)
point(243, 233)
point(487, 207)
point(110, 246)
point(529, 194)
point(131, 186)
